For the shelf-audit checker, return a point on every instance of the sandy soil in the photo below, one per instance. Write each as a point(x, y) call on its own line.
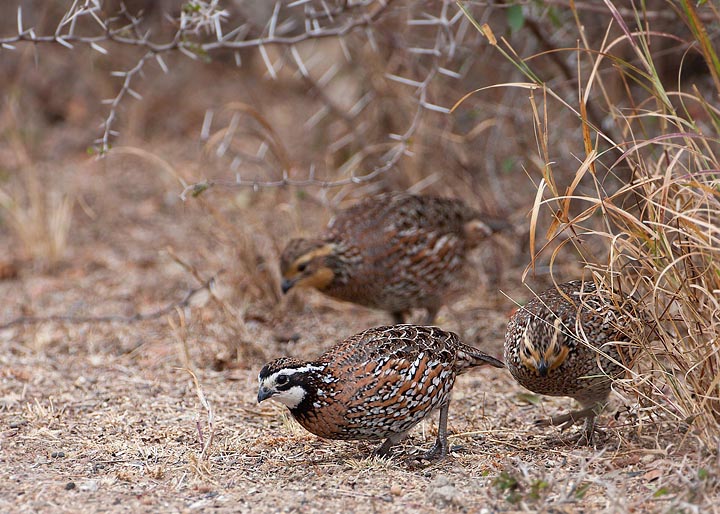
point(105, 416)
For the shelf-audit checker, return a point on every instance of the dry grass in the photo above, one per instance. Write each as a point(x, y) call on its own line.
point(41, 221)
point(642, 211)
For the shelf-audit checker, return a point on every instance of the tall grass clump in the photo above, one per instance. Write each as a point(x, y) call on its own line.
point(40, 219)
point(642, 209)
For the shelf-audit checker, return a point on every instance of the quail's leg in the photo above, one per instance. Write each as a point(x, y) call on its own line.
point(440, 448)
point(399, 317)
point(384, 449)
point(571, 418)
point(586, 438)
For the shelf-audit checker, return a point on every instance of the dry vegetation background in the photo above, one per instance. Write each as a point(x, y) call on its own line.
point(139, 292)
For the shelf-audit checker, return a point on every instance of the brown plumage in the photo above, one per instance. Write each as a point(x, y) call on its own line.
point(394, 252)
point(558, 344)
point(374, 385)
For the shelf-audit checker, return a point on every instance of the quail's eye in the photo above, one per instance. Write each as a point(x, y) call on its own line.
point(302, 267)
point(282, 380)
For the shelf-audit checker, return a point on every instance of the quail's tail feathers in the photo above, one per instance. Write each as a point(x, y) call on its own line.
point(480, 227)
point(474, 357)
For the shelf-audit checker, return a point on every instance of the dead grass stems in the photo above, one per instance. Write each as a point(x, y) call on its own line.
point(40, 218)
point(643, 213)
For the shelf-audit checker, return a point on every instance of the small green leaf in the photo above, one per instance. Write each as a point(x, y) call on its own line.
point(537, 487)
point(508, 163)
point(554, 17)
point(703, 474)
point(191, 7)
point(661, 492)
point(198, 189)
point(506, 482)
point(582, 490)
point(529, 398)
point(515, 17)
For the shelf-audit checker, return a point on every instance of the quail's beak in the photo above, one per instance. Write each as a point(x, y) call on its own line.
point(287, 285)
point(264, 393)
point(542, 368)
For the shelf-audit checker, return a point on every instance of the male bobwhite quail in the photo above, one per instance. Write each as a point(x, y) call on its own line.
point(374, 385)
point(394, 252)
point(560, 344)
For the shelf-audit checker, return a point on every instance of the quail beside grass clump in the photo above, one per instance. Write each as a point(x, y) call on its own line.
point(563, 342)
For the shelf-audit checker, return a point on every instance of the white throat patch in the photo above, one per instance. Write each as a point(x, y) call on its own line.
point(292, 397)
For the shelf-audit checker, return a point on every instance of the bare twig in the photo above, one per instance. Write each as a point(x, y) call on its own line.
point(206, 443)
point(114, 318)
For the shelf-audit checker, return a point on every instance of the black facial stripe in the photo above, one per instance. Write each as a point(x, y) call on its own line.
point(292, 380)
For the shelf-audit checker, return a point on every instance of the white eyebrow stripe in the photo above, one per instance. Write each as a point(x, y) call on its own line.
point(290, 371)
point(303, 369)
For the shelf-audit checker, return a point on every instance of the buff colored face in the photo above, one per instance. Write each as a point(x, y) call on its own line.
point(309, 270)
point(543, 361)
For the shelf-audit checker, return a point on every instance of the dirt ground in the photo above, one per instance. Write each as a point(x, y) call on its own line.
point(158, 413)
point(104, 416)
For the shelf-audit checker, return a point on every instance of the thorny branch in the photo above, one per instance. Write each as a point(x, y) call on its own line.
point(62, 318)
point(201, 31)
point(449, 32)
point(196, 17)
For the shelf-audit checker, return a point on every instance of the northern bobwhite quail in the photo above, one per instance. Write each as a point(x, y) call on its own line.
point(560, 344)
point(377, 384)
point(394, 252)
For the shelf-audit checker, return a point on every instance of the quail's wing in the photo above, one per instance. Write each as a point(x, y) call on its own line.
point(399, 231)
point(397, 343)
point(369, 221)
point(392, 359)
point(403, 212)
point(402, 370)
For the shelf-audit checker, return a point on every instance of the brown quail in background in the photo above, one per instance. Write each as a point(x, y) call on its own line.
point(551, 347)
point(394, 252)
point(374, 385)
